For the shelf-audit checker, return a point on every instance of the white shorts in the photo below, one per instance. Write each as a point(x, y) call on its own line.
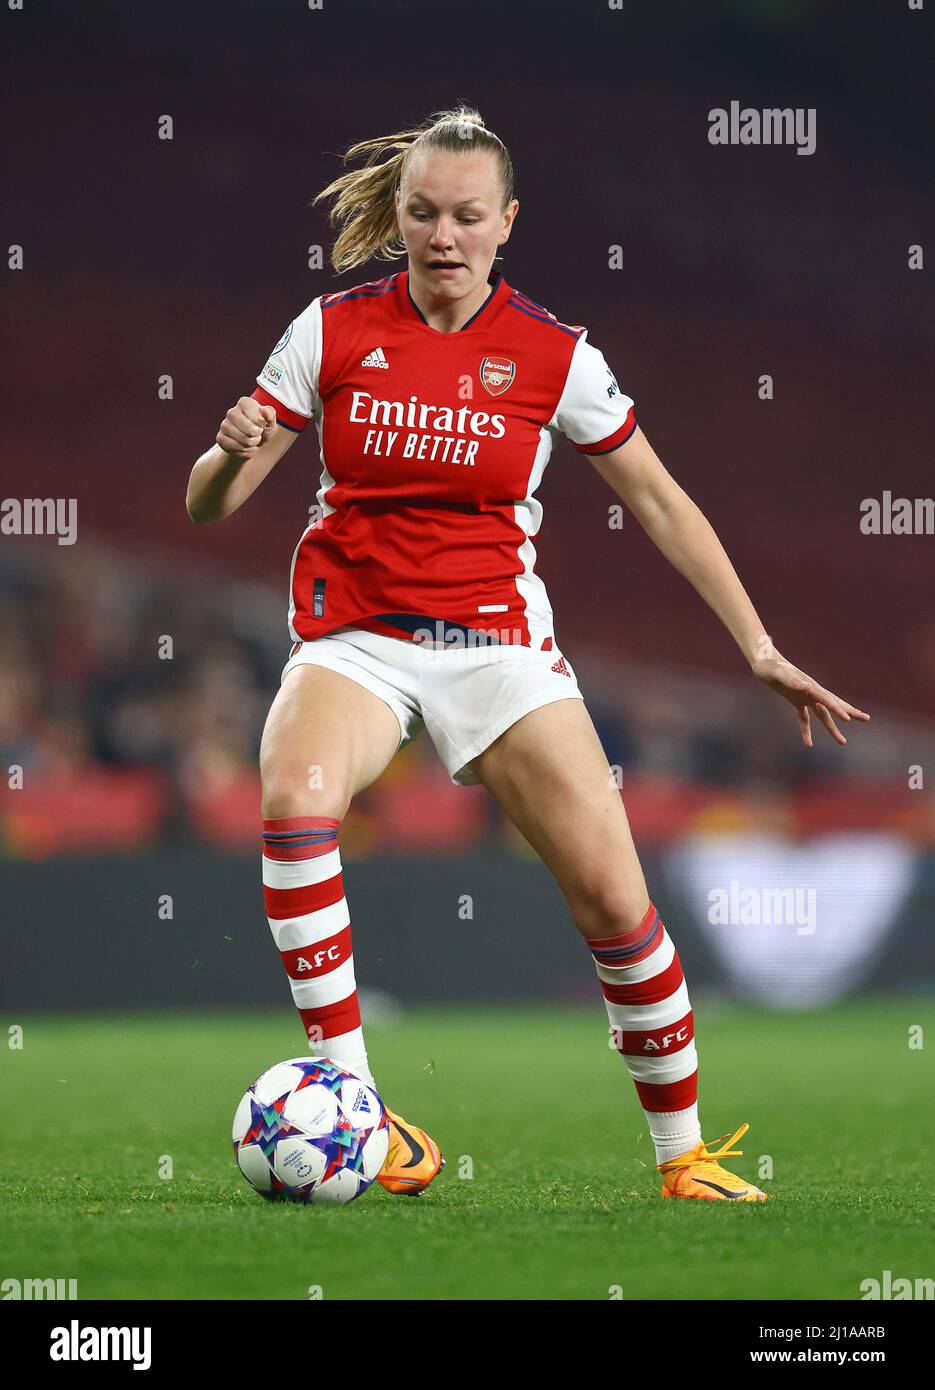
point(466, 696)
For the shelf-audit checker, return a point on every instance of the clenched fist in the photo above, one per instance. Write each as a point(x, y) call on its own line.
point(246, 427)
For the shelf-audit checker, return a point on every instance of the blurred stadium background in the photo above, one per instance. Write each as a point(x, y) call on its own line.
point(186, 258)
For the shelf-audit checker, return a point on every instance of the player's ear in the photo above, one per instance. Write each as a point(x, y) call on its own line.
point(511, 211)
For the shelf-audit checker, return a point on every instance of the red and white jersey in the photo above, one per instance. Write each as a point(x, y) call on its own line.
point(432, 447)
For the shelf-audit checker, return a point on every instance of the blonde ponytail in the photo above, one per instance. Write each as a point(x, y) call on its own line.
point(364, 206)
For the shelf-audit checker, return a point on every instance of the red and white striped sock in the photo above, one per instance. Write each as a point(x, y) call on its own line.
point(308, 916)
point(653, 1029)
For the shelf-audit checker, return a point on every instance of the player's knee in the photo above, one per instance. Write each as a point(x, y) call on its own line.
point(605, 906)
point(297, 792)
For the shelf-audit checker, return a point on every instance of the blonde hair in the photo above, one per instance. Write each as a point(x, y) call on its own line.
point(365, 199)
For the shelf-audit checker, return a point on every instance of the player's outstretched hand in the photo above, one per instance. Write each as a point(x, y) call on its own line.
point(246, 427)
point(806, 694)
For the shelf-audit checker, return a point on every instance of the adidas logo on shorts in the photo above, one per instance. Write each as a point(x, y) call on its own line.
point(560, 668)
point(377, 358)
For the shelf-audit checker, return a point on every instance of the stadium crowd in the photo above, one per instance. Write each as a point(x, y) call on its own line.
point(134, 689)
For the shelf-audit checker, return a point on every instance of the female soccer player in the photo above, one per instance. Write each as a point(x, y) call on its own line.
point(437, 393)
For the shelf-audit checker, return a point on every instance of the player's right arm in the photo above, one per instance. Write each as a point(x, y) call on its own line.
point(249, 445)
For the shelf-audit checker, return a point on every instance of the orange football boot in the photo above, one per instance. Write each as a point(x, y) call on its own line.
point(697, 1173)
point(412, 1159)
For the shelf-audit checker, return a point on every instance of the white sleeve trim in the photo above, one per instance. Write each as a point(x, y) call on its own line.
point(292, 371)
point(592, 408)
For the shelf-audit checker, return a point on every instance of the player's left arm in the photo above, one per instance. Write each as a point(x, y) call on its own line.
point(689, 542)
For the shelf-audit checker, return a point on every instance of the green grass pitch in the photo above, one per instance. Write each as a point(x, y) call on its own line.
point(563, 1202)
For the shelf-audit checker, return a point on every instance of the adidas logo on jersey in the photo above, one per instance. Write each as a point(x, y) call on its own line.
point(377, 358)
point(560, 667)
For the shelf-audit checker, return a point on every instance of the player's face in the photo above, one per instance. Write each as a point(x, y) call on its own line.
point(451, 220)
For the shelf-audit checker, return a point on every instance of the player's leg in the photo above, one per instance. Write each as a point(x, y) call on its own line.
point(550, 774)
point(326, 738)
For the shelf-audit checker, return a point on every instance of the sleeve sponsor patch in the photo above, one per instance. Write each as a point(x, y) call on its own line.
point(272, 373)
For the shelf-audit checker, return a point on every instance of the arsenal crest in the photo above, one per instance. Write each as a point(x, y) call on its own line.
point(496, 374)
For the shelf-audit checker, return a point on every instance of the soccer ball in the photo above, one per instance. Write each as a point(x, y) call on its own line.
point(309, 1130)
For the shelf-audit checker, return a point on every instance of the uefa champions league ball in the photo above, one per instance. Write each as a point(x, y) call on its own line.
point(310, 1131)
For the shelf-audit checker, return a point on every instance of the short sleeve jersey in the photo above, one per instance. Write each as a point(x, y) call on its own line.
point(432, 446)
